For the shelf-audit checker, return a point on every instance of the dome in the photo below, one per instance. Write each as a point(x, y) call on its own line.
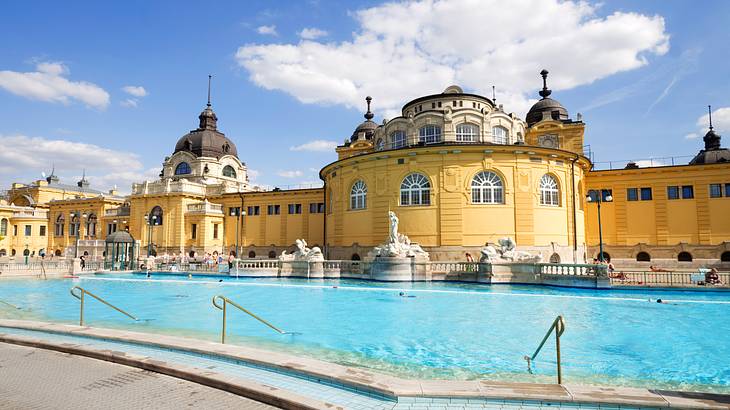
point(206, 141)
point(547, 105)
point(367, 127)
point(120, 237)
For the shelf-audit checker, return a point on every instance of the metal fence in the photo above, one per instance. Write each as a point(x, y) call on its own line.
point(642, 278)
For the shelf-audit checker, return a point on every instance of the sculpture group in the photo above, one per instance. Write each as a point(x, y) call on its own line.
point(507, 252)
point(303, 253)
point(398, 245)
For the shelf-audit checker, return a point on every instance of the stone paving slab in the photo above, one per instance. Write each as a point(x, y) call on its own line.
point(34, 378)
point(397, 387)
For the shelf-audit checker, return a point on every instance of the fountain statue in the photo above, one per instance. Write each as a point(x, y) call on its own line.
point(507, 252)
point(303, 253)
point(398, 245)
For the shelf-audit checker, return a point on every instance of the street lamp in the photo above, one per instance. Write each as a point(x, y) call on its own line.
point(151, 221)
point(239, 213)
point(597, 197)
point(78, 215)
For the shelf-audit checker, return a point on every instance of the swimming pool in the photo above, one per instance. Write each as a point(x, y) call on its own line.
point(453, 331)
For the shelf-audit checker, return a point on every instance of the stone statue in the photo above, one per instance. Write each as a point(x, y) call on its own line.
point(398, 245)
point(303, 253)
point(507, 252)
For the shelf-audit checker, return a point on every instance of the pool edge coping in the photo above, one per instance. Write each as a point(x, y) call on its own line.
point(388, 385)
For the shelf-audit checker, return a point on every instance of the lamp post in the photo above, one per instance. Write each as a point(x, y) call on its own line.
point(26, 253)
point(239, 213)
point(151, 221)
point(596, 196)
point(78, 215)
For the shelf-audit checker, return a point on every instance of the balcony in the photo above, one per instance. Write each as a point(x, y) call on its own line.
point(168, 186)
point(29, 213)
point(115, 212)
point(205, 208)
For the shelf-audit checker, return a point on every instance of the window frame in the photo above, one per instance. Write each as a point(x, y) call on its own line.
point(427, 137)
point(358, 195)
point(549, 195)
point(673, 192)
point(416, 189)
point(688, 191)
point(632, 194)
point(495, 137)
point(484, 182)
point(232, 170)
point(716, 194)
point(398, 139)
point(187, 168)
point(647, 197)
point(471, 136)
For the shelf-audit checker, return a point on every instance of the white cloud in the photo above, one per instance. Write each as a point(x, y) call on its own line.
point(720, 120)
point(316, 145)
point(24, 158)
point(405, 50)
point(648, 163)
point(136, 91)
point(129, 103)
point(253, 174)
point(312, 33)
point(267, 30)
point(691, 136)
point(48, 83)
point(290, 174)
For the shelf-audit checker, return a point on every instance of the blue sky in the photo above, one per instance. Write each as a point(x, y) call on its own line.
point(642, 74)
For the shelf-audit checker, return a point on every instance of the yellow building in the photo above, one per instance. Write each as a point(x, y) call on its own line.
point(459, 171)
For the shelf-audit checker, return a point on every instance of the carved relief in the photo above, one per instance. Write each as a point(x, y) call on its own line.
point(548, 141)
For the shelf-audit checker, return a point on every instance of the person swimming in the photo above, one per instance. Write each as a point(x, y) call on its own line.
point(405, 295)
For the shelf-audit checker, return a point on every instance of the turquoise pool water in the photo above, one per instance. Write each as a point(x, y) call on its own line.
point(457, 331)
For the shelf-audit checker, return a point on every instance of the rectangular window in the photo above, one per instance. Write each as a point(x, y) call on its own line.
point(715, 190)
point(111, 228)
point(234, 211)
point(254, 210)
point(42, 231)
point(194, 230)
point(320, 207)
point(295, 208)
point(688, 192)
point(312, 208)
point(215, 231)
point(727, 190)
point(632, 194)
point(646, 194)
point(28, 230)
point(433, 105)
point(673, 192)
point(15, 230)
point(274, 209)
point(605, 193)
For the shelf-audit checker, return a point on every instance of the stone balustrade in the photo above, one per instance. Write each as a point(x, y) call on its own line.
point(205, 208)
point(115, 212)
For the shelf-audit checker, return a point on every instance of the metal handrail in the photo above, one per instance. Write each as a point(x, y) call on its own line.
point(86, 292)
point(559, 327)
point(8, 304)
point(248, 312)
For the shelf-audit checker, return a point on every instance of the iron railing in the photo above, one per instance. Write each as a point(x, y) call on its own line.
point(86, 292)
point(559, 327)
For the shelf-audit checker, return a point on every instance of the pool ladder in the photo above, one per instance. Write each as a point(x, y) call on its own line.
point(226, 302)
point(559, 327)
point(86, 292)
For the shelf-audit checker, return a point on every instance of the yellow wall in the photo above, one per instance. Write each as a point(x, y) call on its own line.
point(660, 221)
point(96, 206)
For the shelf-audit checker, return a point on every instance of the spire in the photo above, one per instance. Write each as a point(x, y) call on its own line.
point(494, 94)
point(712, 139)
point(209, 78)
point(545, 92)
point(52, 178)
point(208, 119)
point(84, 183)
point(369, 115)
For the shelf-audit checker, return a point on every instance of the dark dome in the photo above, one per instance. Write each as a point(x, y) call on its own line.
point(556, 110)
point(368, 127)
point(553, 108)
point(206, 141)
point(120, 237)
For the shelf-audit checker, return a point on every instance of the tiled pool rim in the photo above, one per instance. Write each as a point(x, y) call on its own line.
point(354, 378)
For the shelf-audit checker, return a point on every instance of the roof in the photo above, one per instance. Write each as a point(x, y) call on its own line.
point(206, 141)
point(120, 237)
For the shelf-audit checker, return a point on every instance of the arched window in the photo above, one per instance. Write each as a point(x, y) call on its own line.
point(380, 144)
point(272, 255)
point(251, 254)
point(91, 225)
point(4, 227)
point(554, 258)
point(398, 139)
point(467, 133)
point(415, 190)
point(643, 257)
point(182, 168)
point(358, 195)
point(684, 257)
point(500, 135)
point(355, 257)
point(549, 191)
point(3, 252)
point(229, 172)
point(60, 223)
point(725, 257)
point(13, 252)
point(487, 188)
point(430, 134)
point(156, 216)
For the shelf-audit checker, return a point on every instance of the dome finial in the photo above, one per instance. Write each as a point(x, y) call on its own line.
point(545, 92)
point(709, 113)
point(369, 115)
point(209, 78)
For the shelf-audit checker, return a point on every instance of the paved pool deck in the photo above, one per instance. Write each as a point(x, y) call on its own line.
point(405, 390)
point(34, 378)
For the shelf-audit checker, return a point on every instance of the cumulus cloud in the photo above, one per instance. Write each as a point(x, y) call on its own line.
point(312, 33)
point(24, 158)
point(316, 146)
point(405, 50)
point(49, 83)
point(253, 174)
point(267, 30)
point(720, 120)
point(136, 91)
point(290, 174)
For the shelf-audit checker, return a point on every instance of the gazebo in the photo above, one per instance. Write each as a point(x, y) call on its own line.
point(119, 251)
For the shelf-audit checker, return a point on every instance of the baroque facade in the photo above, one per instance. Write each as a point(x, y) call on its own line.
point(458, 169)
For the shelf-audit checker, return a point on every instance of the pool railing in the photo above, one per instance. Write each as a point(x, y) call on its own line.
point(225, 302)
point(559, 327)
point(80, 297)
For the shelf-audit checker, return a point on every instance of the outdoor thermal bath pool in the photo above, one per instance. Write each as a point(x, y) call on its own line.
point(452, 331)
